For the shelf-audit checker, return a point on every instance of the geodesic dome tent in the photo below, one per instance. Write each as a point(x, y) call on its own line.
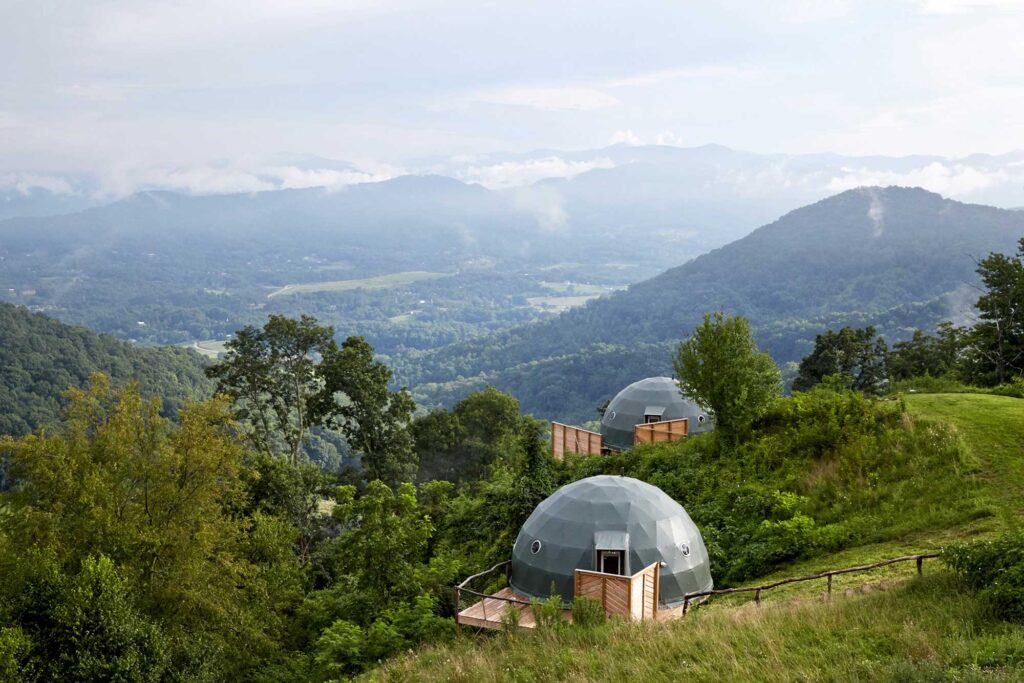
point(597, 519)
point(651, 399)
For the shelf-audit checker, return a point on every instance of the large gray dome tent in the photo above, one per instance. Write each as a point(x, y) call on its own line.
point(624, 523)
point(651, 399)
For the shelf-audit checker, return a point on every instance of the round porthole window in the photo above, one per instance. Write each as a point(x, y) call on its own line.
point(611, 414)
point(535, 547)
point(700, 419)
point(684, 549)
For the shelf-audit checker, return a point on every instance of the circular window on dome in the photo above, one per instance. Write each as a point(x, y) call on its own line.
point(700, 419)
point(535, 547)
point(611, 414)
point(684, 549)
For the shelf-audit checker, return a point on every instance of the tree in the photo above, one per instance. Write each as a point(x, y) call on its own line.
point(355, 399)
point(460, 445)
point(998, 337)
point(930, 355)
point(721, 368)
point(123, 502)
point(271, 375)
point(853, 354)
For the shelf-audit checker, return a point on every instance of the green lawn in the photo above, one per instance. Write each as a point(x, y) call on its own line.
point(388, 281)
point(992, 428)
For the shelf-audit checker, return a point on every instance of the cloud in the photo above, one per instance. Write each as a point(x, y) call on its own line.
point(876, 213)
point(24, 183)
point(624, 137)
point(544, 204)
point(950, 179)
point(566, 98)
point(225, 179)
point(291, 177)
point(516, 173)
point(966, 6)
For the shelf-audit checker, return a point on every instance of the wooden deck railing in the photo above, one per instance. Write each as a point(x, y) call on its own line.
point(756, 590)
point(464, 589)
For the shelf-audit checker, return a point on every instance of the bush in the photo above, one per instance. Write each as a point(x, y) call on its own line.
point(547, 613)
point(587, 612)
point(995, 569)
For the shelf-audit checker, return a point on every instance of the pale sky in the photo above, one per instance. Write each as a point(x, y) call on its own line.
point(121, 86)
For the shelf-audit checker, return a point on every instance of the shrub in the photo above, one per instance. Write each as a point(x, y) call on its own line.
point(587, 612)
point(548, 613)
point(510, 619)
point(995, 569)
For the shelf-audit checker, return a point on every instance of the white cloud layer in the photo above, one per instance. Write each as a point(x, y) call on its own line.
point(24, 183)
point(516, 173)
point(950, 179)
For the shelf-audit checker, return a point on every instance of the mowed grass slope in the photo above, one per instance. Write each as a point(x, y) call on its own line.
point(884, 625)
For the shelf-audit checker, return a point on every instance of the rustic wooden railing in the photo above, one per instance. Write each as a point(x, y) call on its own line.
point(756, 590)
point(463, 589)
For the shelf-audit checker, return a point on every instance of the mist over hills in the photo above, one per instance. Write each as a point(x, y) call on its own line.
point(502, 238)
point(894, 257)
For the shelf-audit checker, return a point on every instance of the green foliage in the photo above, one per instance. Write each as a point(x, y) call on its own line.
point(484, 428)
point(355, 400)
point(291, 376)
point(41, 358)
point(134, 525)
point(587, 612)
point(995, 569)
point(271, 376)
point(998, 337)
point(720, 368)
point(855, 355)
point(926, 356)
point(819, 471)
point(547, 613)
point(510, 619)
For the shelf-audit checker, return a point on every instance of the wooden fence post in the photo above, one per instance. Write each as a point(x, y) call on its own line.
point(830, 585)
point(686, 605)
point(757, 596)
point(920, 561)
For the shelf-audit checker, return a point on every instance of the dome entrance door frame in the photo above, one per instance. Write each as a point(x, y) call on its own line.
point(611, 562)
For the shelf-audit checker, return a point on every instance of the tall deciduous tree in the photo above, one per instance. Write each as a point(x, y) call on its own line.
point(856, 355)
point(271, 374)
point(721, 368)
point(999, 335)
point(356, 400)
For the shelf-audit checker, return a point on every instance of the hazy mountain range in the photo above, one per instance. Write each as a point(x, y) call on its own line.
point(897, 258)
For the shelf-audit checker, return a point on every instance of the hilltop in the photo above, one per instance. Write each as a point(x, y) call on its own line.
point(883, 625)
point(897, 258)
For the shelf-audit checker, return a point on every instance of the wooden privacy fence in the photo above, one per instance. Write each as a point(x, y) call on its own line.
point(756, 590)
point(568, 439)
point(634, 597)
point(657, 432)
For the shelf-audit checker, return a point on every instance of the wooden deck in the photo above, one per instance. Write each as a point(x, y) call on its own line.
point(488, 612)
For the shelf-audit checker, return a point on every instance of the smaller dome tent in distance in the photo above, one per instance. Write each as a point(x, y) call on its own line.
point(585, 522)
point(651, 399)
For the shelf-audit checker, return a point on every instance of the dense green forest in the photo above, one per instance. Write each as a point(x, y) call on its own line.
point(138, 547)
point(894, 258)
point(40, 358)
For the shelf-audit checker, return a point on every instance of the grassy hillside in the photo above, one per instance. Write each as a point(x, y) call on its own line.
point(883, 625)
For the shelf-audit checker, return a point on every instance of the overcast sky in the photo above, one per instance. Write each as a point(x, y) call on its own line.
point(101, 85)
